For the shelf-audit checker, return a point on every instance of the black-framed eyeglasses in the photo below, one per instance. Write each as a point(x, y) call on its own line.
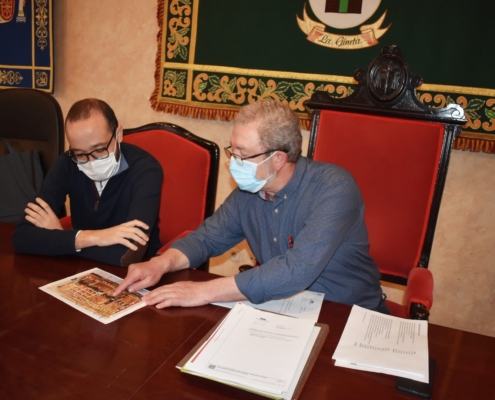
point(240, 159)
point(97, 154)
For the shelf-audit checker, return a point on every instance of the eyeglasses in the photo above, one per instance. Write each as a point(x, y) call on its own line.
point(240, 159)
point(98, 154)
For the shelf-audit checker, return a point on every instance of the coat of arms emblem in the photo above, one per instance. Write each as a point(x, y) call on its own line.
point(343, 14)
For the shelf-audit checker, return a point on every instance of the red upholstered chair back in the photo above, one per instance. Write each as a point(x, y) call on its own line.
point(395, 164)
point(190, 170)
point(398, 151)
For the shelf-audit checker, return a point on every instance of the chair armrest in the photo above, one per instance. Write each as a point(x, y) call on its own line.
point(66, 222)
point(167, 245)
point(419, 293)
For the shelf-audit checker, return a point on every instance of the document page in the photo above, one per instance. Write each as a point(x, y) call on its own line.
point(255, 349)
point(377, 342)
point(306, 305)
point(91, 292)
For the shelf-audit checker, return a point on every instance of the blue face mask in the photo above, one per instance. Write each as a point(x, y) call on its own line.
point(245, 175)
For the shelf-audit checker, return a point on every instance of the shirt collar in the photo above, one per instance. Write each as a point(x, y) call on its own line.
point(293, 183)
point(123, 163)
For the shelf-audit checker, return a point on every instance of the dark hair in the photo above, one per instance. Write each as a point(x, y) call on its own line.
point(83, 109)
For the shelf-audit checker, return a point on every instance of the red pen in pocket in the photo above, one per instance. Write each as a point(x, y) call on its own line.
point(291, 242)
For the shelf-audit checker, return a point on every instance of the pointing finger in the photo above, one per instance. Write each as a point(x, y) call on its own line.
point(128, 280)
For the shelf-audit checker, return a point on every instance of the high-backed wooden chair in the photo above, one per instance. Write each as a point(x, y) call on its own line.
point(398, 151)
point(190, 168)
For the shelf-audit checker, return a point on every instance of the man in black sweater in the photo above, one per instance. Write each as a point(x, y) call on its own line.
point(114, 191)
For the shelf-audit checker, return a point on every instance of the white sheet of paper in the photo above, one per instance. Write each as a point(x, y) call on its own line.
point(304, 358)
point(255, 349)
point(306, 305)
point(93, 295)
point(379, 370)
point(376, 342)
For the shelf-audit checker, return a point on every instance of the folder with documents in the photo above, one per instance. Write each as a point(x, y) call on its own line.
point(262, 352)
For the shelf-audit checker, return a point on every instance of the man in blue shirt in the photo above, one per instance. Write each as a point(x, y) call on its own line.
point(303, 220)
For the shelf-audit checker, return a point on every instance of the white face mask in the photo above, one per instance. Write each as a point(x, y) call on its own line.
point(101, 170)
point(245, 175)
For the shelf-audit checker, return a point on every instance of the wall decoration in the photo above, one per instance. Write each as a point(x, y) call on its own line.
point(215, 56)
point(26, 44)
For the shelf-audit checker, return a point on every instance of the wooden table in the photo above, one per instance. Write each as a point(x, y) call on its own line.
point(48, 350)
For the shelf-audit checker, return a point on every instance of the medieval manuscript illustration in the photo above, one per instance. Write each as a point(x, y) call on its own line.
point(91, 292)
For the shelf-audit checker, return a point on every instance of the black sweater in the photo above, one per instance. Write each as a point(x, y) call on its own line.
point(131, 194)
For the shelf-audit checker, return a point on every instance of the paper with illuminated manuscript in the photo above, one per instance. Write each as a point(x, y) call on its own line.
point(91, 292)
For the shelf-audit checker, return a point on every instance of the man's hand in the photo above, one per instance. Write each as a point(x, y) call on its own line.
point(181, 294)
point(192, 294)
point(142, 275)
point(41, 215)
point(120, 234)
point(148, 273)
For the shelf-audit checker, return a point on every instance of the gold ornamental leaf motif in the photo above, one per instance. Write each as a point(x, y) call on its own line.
point(10, 77)
point(223, 89)
point(173, 84)
point(473, 122)
point(200, 83)
point(41, 78)
point(490, 114)
point(179, 28)
point(273, 90)
point(42, 23)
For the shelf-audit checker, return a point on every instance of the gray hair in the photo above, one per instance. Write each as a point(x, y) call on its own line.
point(277, 125)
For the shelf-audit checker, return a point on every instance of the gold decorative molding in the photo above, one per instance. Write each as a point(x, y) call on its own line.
point(42, 23)
point(41, 78)
point(10, 77)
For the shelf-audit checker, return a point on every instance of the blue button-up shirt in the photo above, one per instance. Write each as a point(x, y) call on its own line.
point(311, 235)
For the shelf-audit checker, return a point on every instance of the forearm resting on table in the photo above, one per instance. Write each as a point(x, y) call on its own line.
point(222, 290)
point(182, 293)
point(215, 290)
point(192, 294)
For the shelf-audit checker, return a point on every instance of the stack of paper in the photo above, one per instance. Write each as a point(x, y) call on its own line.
point(381, 343)
point(256, 351)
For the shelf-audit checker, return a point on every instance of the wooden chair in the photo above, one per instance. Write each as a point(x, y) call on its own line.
point(190, 167)
point(398, 151)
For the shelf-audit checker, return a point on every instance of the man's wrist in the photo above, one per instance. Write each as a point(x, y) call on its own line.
point(84, 239)
point(172, 260)
point(222, 290)
point(159, 264)
point(78, 249)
